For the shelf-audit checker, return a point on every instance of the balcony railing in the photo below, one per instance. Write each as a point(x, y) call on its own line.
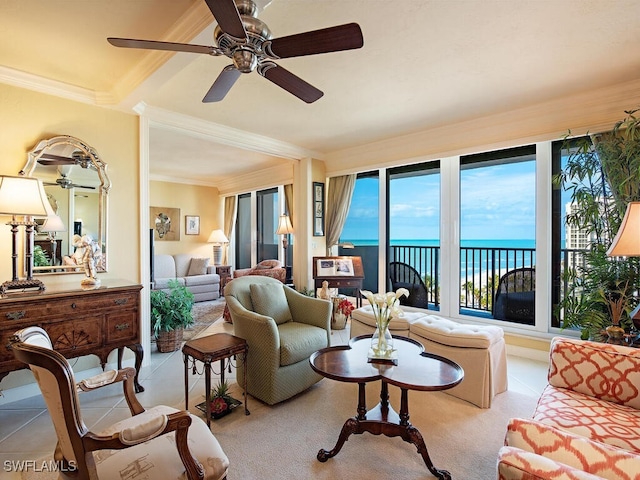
point(480, 271)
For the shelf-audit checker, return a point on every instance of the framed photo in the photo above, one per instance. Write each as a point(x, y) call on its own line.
point(165, 222)
point(318, 209)
point(192, 225)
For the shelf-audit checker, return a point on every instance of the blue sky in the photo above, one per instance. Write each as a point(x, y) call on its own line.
point(497, 202)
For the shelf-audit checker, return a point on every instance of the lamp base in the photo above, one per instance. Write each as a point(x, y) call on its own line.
point(17, 286)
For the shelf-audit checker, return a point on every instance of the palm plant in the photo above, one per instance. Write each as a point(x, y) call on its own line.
point(602, 175)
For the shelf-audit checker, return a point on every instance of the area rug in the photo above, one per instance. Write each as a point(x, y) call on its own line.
point(204, 314)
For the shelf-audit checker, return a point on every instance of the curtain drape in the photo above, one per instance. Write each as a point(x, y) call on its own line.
point(338, 202)
point(229, 222)
point(288, 200)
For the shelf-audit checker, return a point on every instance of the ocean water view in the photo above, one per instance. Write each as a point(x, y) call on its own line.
point(478, 258)
point(511, 243)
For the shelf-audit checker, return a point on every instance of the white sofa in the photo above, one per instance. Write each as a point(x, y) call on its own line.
point(192, 272)
point(479, 349)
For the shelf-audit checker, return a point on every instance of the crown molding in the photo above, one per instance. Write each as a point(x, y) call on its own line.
point(47, 86)
point(259, 180)
point(186, 181)
point(222, 134)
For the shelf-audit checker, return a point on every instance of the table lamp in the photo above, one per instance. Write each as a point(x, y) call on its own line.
point(285, 228)
point(51, 225)
point(218, 238)
point(22, 196)
point(627, 244)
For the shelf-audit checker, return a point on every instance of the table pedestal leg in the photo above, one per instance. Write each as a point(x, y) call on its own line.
point(383, 420)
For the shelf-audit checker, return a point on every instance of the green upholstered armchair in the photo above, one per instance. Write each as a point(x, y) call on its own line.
point(282, 328)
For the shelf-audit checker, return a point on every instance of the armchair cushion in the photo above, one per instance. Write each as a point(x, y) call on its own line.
point(270, 300)
point(161, 462)
point(198, 266)
point(517, 464)
point(298, 341)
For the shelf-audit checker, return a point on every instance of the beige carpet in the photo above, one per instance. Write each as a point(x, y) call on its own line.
point(204, 314)
point(282, 441)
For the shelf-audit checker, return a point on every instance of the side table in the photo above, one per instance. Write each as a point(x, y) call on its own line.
point(225, 274)
point(219, 346)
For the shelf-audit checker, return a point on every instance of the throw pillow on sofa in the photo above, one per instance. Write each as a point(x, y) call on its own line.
point(198, 266)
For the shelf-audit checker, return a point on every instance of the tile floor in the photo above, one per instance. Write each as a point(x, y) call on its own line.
point(26, 432)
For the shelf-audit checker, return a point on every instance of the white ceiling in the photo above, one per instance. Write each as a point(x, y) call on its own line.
point(424, 64)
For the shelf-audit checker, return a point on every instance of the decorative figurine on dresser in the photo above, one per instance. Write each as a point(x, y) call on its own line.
point(90, 258)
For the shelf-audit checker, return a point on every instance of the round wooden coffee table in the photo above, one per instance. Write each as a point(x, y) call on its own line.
point(416, 370)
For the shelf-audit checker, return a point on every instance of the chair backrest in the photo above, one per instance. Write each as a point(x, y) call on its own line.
point(515, 296)
point(240, 290)
point(403, 275)
point(55, 379)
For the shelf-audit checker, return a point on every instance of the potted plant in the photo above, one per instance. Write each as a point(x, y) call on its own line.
point(170, 314)
point(603, 176)
point(221, 401)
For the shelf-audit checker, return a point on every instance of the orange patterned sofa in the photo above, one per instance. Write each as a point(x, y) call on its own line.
point(587, 422)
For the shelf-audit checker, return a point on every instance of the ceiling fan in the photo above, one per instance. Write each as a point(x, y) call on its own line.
point(76, 158)
point(65, 182)
point(241, 36)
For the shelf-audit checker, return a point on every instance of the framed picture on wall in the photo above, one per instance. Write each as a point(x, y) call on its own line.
point(165, 222)
point(318, 209)
point(192, 225)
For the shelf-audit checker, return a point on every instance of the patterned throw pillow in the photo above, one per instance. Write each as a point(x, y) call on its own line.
point(198, 266)
point(271, 301)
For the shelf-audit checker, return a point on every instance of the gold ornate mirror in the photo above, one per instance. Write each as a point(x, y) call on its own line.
point(76, 182)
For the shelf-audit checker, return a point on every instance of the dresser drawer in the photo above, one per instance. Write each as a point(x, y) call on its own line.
point(16, 313)
point(75, 305)
point(121, 326)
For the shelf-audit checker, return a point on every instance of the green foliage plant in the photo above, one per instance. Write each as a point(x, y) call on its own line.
point(171, 310)
point(602, 175)
point(40, 258)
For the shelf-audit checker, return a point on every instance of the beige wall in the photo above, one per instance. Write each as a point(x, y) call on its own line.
point(191, 200)
point(28, 117)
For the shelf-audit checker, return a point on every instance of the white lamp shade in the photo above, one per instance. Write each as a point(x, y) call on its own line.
point(627, 241)
point(53, 223)
point(284, 225)
point(218, 236)
point(23, 196)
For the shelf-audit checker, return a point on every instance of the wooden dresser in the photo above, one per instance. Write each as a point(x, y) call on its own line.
point(79, 321)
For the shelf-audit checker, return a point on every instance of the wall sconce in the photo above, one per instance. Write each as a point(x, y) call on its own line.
point(51, 225)
point(218, 238)
point(22, 196)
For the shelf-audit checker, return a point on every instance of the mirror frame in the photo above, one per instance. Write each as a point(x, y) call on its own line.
point(34, 155)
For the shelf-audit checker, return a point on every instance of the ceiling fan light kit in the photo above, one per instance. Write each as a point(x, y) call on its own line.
point(248, 42)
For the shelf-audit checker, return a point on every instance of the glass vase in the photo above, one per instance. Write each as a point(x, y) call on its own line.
point(382, 345)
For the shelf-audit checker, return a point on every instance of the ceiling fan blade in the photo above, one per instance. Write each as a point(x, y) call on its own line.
point(82, 186)
point(226, 14)
point(170, 46)
point(51, 159)
point(332, 39)
point(290, 82)
point(222, 85)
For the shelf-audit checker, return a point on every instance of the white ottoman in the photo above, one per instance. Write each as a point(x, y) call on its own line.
point(479, 349)
point(364, 323)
